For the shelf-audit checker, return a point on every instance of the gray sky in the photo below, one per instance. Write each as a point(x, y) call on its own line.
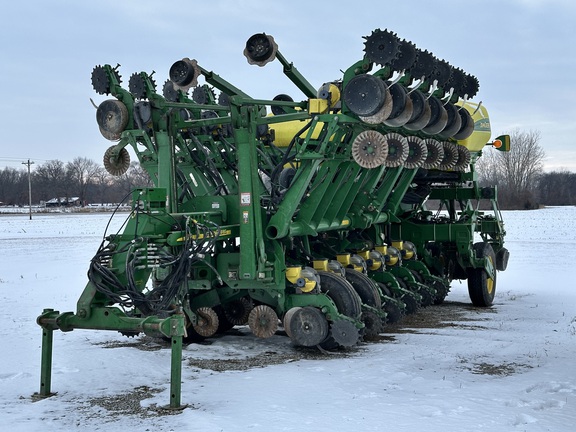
point(522, 52)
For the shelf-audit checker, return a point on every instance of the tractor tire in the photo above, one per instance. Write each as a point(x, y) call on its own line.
point(482, 288)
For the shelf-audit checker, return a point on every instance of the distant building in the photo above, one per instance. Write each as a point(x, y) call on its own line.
point(64, 202)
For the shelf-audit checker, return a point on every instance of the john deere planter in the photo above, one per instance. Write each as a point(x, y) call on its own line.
point(330, 214)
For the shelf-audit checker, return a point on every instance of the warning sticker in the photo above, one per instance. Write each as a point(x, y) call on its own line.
point(245, 198)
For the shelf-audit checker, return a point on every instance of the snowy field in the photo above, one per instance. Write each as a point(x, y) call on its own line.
point(450, 368)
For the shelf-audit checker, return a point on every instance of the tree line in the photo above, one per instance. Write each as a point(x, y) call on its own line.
point(518, 174)
point(81, 178)
point(520, 177)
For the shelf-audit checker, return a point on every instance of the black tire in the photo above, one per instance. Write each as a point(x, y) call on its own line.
point(223, 324)
point(365, 287)
point(481, 288)
point(342, 293)
point(427, 296)
point(441, 292)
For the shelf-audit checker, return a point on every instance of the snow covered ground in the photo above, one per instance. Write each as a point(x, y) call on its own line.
point(450, 368)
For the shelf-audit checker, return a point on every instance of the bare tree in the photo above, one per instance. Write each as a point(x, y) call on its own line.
point(13, 186)
point(50, 180)
point(82, 172)
point(523, 163)
point(557, 188)
point(516, 172)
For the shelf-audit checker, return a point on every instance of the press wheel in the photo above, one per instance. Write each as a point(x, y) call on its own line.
point(435, 154)
point(463, 158)
point(417, 152)
point(207, 322)
point(397, 149)
point(237, 311)
point(373, 325)
point(370, 149)
point(116, 162)
point(450, 156)
point(263, 321)
point(348, 303)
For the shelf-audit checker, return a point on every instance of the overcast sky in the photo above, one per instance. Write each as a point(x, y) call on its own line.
point(522, 52)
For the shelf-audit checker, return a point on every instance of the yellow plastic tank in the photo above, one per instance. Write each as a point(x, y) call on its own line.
point(482, 132)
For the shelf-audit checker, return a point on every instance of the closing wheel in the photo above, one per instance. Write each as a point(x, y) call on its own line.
point(347, 302)
point(263, 321)
point(237, 311)
point(389, 305)
point(184, 73)
point(100, 80)
point(481, 287)
point(207, 322)
point(411, 300)
point(441, 292)
point(307, 326)
point(417, 152)
point(116, 163)
point(170, 92)
point(397, 149)
point(427, 293)
point(435, 154)
point(373, 325)
point(260, 49)
point(370, 149)
point(381, 47)
point(450, 156)
point(344, 333)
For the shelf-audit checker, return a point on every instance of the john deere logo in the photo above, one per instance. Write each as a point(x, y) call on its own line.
point(482, 125)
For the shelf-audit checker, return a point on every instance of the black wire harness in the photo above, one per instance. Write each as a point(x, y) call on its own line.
point(141, 254)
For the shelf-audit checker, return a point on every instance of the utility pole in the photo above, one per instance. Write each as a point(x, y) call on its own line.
point(29, 187)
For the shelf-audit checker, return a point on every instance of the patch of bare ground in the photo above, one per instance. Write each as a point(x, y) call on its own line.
point(503, 369)
point(127, 404)
point(448, 314)
point(267, 358)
